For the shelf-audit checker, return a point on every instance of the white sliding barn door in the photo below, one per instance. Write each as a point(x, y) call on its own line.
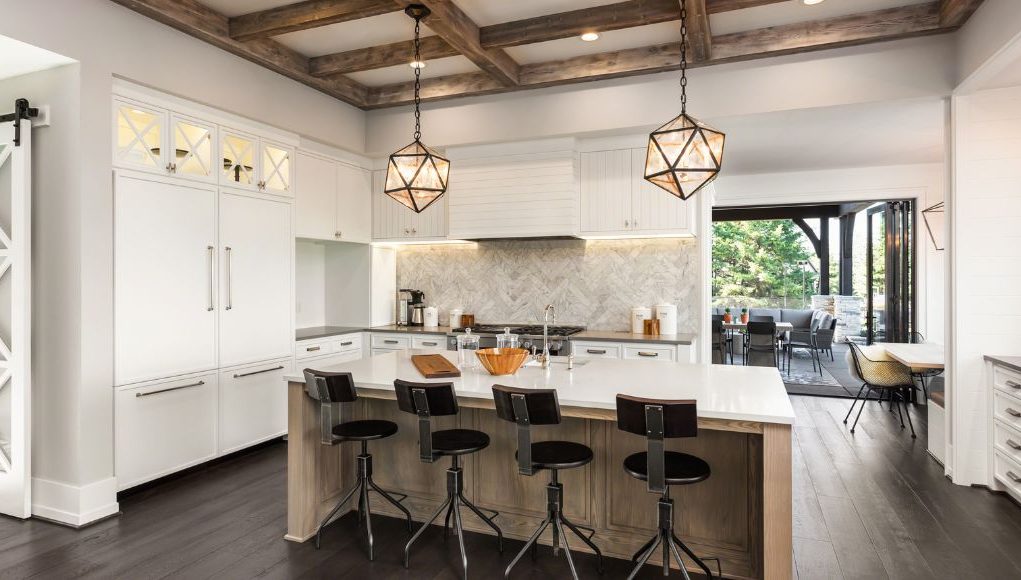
point(15, 321)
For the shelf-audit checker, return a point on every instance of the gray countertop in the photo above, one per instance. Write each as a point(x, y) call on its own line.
point(625, 336)
point(1011, 362)
point(314, 332)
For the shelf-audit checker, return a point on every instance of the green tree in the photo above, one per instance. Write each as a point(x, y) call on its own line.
point(755, 263)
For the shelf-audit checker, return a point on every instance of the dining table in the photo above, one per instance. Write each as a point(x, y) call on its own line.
point(780, 326)
point(926, 356)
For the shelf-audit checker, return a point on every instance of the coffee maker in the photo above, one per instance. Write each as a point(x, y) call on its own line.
point(410, 307)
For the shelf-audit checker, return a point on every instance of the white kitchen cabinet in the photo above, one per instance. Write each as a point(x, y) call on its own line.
point(276, 167)
point(256, 248)
point(164, 427)
point(654, 351)
point(315, 197)
point(139, 136)
point(252, 404)
point(596, 349)
point(354, 204)
point(650, 351)
point(252, 163)
point(616, 200)
point(429, 342)
point(390, 341)
point(343, 344)
point(192, 151)
point(393, 221)
point(165, 276)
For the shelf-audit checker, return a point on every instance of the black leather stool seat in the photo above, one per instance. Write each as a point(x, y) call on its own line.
point(459, 441)
point(559, 455)
point(680, 468)
point(365, 430)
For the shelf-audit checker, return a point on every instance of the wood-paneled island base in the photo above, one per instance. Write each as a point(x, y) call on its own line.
point(742, 514)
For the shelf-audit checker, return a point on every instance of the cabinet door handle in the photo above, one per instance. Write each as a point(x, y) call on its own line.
point(313, 348)
point(414, 231)
point(647, 353)
point(430, 343)
point(243, 375)
point(230, 291)
point(338, 235)
point(1013, 445)
point(212, 274)
point(596, 350)
point(1012, 412)
point(627, 223)
point(391, 342)
point(1013, 477)
point(167, 390)
point(634, 224)
point(1013, 385)
point(348, 343)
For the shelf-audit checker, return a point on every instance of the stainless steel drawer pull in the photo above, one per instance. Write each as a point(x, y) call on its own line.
point(198, 384)
point(1012, 412)
point(595, 350)
point(391, 342)
point(1013, 385)
point(212, 276)
point(230, 291)
point(1013, 445)
point(646, 353)
point(1013, 477)
point(430, 343)
point(313, 348)
point(243, 375)
point(348, 343)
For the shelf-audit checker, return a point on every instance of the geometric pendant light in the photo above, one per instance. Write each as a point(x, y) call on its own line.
point(416, 176)
point(935, 221)
point(685, 154)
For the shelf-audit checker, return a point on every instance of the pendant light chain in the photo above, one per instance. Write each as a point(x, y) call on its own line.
point(418, 80)
point(684, 58)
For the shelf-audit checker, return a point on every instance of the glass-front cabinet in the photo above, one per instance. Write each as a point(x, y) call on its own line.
point(193, 148)
point(239, 157)
point(276, 168)
point(139, 136)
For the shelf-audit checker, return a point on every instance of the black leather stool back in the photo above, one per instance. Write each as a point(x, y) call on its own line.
point(330, 387)
point(526, 407)
point(426, 400)
point(656, 420)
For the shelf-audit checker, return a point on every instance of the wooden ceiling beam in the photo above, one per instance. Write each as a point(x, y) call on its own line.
point(379, 56)
point(304, 15)
point(718, 6)
point(452, 25)
point(700, 36)
point(199, 21)
point(954, 13)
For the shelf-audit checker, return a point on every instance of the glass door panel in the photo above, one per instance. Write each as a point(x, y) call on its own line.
point(193, 149)
point(139, 136)
point(890, 271)
point(875, 268)
point(276, 168)
point(238, 159)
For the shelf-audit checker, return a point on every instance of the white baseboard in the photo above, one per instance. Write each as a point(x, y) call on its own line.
point(72, 505)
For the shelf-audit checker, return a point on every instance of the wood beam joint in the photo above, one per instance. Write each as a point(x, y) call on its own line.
point(700, 37)
point(304, 15)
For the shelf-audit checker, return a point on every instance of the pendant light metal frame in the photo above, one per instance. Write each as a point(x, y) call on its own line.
point(697, 140)
point(929, 215)
point(400, 186)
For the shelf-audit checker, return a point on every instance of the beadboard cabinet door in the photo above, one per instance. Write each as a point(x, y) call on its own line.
point(606, 182)
point(315, 198)
point(653, 209)
point(164, 277)
point(256, 247)
point(393, 221)
point(353, 221)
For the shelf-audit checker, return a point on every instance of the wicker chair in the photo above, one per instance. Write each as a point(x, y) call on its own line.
point(879, 373)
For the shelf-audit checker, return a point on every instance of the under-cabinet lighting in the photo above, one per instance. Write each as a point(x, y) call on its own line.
point(636, 236)
point(395, 243)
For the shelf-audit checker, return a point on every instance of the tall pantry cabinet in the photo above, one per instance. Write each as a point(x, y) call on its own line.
point(203, 284)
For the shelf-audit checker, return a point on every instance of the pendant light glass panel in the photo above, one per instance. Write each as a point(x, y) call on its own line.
point(416, 176)
point(684, 155)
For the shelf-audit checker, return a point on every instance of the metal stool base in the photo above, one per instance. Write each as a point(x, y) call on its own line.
point(670, 543)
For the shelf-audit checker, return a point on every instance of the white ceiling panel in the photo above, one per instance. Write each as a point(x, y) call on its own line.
point(238, 7)
point(353, 34)
point(18, 58)
point(795, 11)
point(608, 41)
point(440, 67)
point(487, 12)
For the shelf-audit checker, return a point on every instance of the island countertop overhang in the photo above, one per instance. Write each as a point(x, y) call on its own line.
point(730, 393)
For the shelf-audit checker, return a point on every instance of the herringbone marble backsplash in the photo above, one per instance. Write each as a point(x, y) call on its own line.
point(592, 283)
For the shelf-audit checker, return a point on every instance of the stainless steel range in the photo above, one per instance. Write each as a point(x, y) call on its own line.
point(529, 336)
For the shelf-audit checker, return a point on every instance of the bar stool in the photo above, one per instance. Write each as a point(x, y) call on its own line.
point(331, 390)
point(657, 420)
point(429, 400)
point(527, 407)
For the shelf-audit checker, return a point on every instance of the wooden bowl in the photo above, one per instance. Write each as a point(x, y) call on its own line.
point(502, 361)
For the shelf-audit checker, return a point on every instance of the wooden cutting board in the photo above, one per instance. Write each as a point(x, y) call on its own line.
point(435, 366)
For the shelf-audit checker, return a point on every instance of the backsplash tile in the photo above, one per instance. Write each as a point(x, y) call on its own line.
point(593, 283)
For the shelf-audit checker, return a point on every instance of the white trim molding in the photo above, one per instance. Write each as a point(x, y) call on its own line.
point(72, 505)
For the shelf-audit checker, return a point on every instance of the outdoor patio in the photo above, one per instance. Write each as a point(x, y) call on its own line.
point(835, 380)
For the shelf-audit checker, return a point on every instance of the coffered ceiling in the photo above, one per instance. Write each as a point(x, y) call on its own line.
point(359, 50)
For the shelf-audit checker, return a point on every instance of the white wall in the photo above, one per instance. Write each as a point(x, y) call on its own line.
point(985, 245)
point(310, 283)
point(983, 37)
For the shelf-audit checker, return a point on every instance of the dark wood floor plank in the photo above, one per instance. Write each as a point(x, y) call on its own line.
point(816, 559)
point(852, 545)
point(819, 462)
point(808, 517)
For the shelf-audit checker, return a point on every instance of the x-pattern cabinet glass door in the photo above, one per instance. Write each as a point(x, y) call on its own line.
point(193, 148)
point(140, 136)
point(254, 164)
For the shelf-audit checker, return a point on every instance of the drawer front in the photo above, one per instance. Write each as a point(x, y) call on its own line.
point(1007, 381)
point(429, 342)
point(657, 352)
point(164, 427)
point(313, 348)
point(1008, 472)
point(1007, 441)
point(379, 351)
point(596, 349)
point(253, 405)
point(1007, 410)
point(393, 342)
point(347, 343)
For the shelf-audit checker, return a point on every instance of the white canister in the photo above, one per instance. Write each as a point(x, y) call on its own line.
point(667, 316)
point(431, 317)
point(639, 314)
point(455, 317)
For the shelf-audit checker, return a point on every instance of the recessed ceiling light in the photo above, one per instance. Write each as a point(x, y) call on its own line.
point(417, 64)
point(811, 2)
point(590, 36)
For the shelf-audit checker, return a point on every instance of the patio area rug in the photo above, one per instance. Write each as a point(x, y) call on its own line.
point(802, 380)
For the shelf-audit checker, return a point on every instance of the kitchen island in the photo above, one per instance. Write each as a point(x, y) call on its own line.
point(742, 514)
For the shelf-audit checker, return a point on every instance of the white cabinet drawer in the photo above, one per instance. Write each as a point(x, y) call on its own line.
point(659, 352)
point(1007, 410)
point(390, 341)
point(379, 351)
point(437, 342)
point(253, 404)
point(313, 348)
point(1007, 381)
point(164, 427)
point(347, 343)
point(596, 349)
point(1007, 441)
point(1008, 472)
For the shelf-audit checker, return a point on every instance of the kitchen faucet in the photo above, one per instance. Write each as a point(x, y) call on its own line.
point(546, 313)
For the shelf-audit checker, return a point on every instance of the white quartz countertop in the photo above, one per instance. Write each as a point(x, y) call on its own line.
point(721, 391)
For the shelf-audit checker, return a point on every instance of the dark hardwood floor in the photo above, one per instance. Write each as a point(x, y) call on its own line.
point(870, 505)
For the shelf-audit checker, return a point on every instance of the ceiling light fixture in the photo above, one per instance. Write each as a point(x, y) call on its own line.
point(416, 176)
point(417, 64)
point(811, 2)
point(684, 155)
point(590, 36)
